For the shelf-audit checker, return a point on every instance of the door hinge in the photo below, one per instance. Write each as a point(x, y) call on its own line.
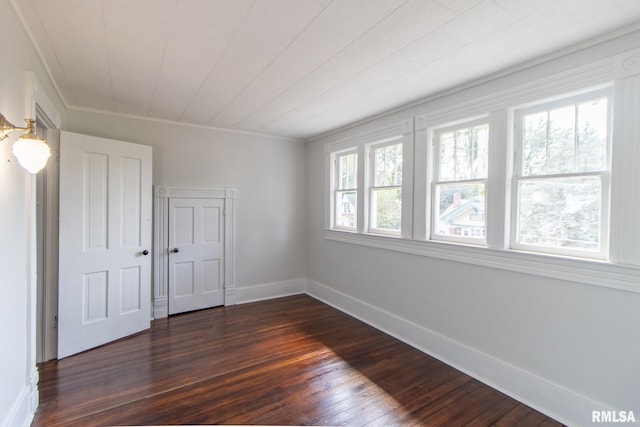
point(55, 322)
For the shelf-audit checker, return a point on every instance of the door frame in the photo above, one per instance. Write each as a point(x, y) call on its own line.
point(37, 105)
point(47, 194)
point(161, 196)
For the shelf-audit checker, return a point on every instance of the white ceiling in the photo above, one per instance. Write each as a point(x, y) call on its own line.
point(295, 68)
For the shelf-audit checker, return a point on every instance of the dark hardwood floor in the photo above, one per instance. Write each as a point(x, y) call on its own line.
point(288, 361)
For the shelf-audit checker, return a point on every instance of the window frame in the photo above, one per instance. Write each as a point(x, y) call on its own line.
point(434, 213)
point(371, 174)
point(518, 176)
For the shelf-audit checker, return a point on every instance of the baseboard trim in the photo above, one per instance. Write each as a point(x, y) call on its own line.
point(34, 391)
point(549, 398)
point(160, 307)
point(263, 291)
point(271, 290)
point(21, 413)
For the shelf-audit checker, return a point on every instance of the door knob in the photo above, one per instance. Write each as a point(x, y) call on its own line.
point(145, 252)
point(175, 250)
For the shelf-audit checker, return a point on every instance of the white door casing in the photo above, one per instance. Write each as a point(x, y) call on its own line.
point(105, 231)
point(163, 195)
point(196, 254)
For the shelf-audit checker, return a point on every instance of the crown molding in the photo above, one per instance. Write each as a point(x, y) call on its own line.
point(185, 124)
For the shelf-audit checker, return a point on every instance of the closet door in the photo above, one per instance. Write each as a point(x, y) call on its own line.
point(196, 254)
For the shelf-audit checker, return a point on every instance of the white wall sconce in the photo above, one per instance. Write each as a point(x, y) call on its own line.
point(31, 151)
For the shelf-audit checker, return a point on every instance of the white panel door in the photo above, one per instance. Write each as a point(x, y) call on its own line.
point(196, 254)
point(105, 239)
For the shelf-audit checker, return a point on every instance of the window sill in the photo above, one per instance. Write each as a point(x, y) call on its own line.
point(598, 273)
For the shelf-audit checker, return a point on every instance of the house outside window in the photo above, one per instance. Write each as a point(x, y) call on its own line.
point(461, 156)
point(562, 173)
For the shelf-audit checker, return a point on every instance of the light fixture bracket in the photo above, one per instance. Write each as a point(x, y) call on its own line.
point(6, 127)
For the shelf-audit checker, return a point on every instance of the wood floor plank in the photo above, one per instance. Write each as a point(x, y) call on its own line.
point(287, 361)
point(491, 415)
point(514, 416)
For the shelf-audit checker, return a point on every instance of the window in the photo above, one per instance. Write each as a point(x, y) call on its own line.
point(461, 157)
point(557, 195)
point(386, 187)
point(346, 190)
point(562, 174)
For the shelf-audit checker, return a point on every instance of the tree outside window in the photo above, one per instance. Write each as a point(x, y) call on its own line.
point(386, 191)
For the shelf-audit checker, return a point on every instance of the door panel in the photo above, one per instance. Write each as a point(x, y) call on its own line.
point(94, 288)
point(131, 202)
point(105, 225)
point(94, 203)
point(130, 290)
point(196, 248)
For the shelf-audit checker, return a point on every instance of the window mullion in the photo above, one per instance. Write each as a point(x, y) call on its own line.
point(363, 183)
point(422, 177)
point(455, 155)
point(575, 137)
point(546, 145)
point(498, 188)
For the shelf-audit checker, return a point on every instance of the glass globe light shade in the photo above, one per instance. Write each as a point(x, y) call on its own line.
point(32, 152)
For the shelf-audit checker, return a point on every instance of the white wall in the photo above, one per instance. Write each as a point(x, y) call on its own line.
point(268, 173)
point(17, 304)
point(563, 347)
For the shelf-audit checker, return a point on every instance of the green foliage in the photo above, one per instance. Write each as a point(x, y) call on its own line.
point(388, 209)
point(565, 140)
point(464, 153)
point(348, 171)
point(388, 165)
point(387, 202)
point(561, 212)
